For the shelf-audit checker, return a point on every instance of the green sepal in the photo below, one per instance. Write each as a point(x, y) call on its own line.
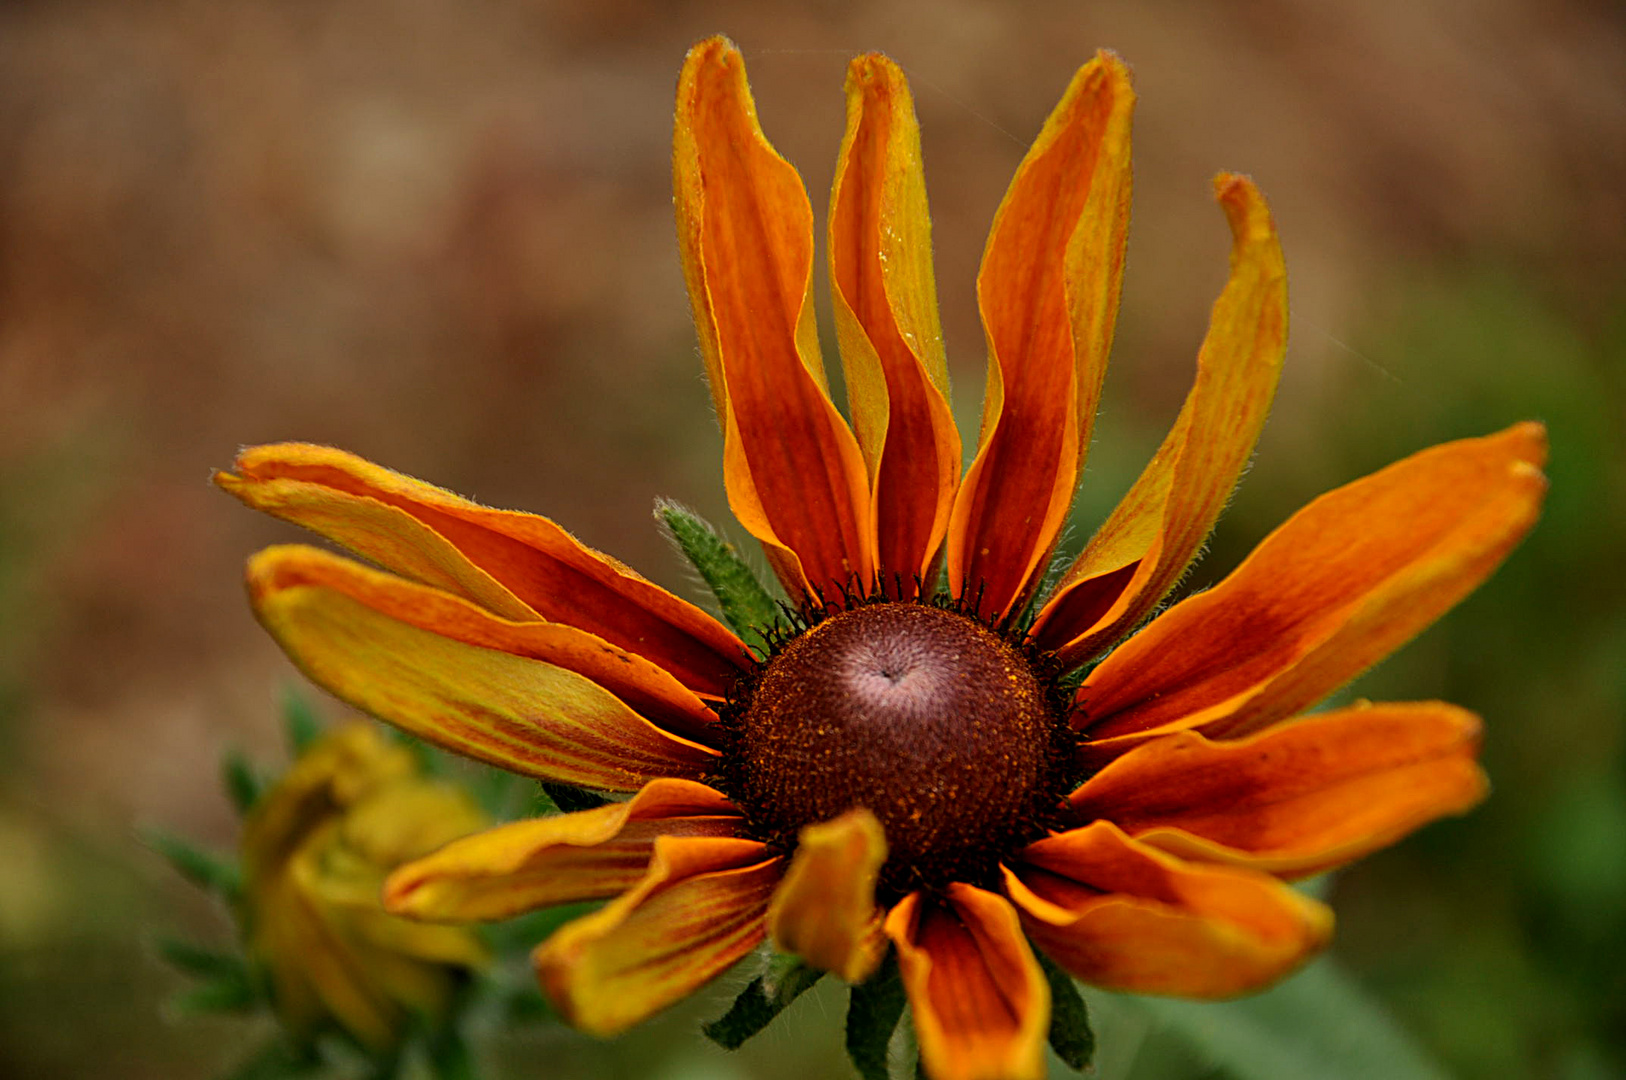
point(210, 872)
point(242, 783)
point(746, 604)
point(300, 724)
point(568, 800)
point(1071, 1036)
point(873, 1011)
point(768, 995)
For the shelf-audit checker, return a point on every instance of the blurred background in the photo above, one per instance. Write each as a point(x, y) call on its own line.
point(438, 233)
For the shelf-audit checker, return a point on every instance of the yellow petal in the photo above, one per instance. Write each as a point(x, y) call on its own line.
point(885, 299)
point(649, 690)
point(516, 713)
point(1300, 797)
point(697, 910)
point(1048, 294)
point(793, 471)
point(518, 566)
point(1124, 916)
point(980, 1001)
point(587, 855)
point(824, 911)
point(1159, 527)
point(1344, 582)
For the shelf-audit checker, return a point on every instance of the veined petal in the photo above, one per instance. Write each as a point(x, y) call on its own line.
point(523, 715)
point(1158, 528)
point(1300, 797)
point(519, 566)
point(794, 473)
point(885, 299)
point(824, 911)
point(980, 1000)
point(1048, 293)
point(649, 690)
point(1344, 582)
point(1124, 916)
point(697, 910)
point(588, 855)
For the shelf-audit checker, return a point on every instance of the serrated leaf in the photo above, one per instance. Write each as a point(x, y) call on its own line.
point(873, 1011)
point(568, 799)
point(1319, 1023)
point(300, 724)
point(766, 997)
point(746, 604)
point(1071, 1036)
point(207, 871)
point(241, 781)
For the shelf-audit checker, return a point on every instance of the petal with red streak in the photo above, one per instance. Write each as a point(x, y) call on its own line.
point(885, 299)
point(519, 566)
point(697, 910)
point(793, 470)
point(523, 715)
point(1344, 582)
point(588, 855)
point(980, 1000)
point(824, 911)
point(1300, 797)
point(1158, 528)
point(1048, 294)
point(651, 691)
point(1124, 916)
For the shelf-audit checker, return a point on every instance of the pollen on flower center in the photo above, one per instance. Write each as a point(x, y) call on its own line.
point(924, 716)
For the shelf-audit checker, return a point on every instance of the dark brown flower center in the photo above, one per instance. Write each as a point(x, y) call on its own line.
point(932, 721)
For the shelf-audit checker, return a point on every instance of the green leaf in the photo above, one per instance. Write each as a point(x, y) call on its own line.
point(242, 782)
point(200, 960)
point(873, 1012)
point(300, 724)
point(225, 994)
point(766, 997)
point(201, 868)
point(746, 604)
point(275, 1061)
point(1319, 1023)
point(449, 1057)
point(571, 799)
point(1070, 1034)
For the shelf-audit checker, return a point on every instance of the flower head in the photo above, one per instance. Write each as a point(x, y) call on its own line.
point(316, 849)
point(910, 768)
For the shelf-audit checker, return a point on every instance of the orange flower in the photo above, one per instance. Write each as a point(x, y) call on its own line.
point(905, 768)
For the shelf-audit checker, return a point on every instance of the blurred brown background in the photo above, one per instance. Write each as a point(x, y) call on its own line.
point(438, 234)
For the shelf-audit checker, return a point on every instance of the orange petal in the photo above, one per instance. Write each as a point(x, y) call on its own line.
point(794, 473)
point(824, 911)
point(1048, 293)
point(1343, 583)
point(1124, 916)
point(697, 910)
point(651, 691)
point(523, 715)
point(1300, 797)
point(980, 1000)
point(519, 566)
point(1158, 528)
point(886, 319)
point(515, 868)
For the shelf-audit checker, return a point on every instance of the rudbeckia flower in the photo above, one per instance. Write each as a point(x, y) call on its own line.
point(316, 849)
point(911, 770)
